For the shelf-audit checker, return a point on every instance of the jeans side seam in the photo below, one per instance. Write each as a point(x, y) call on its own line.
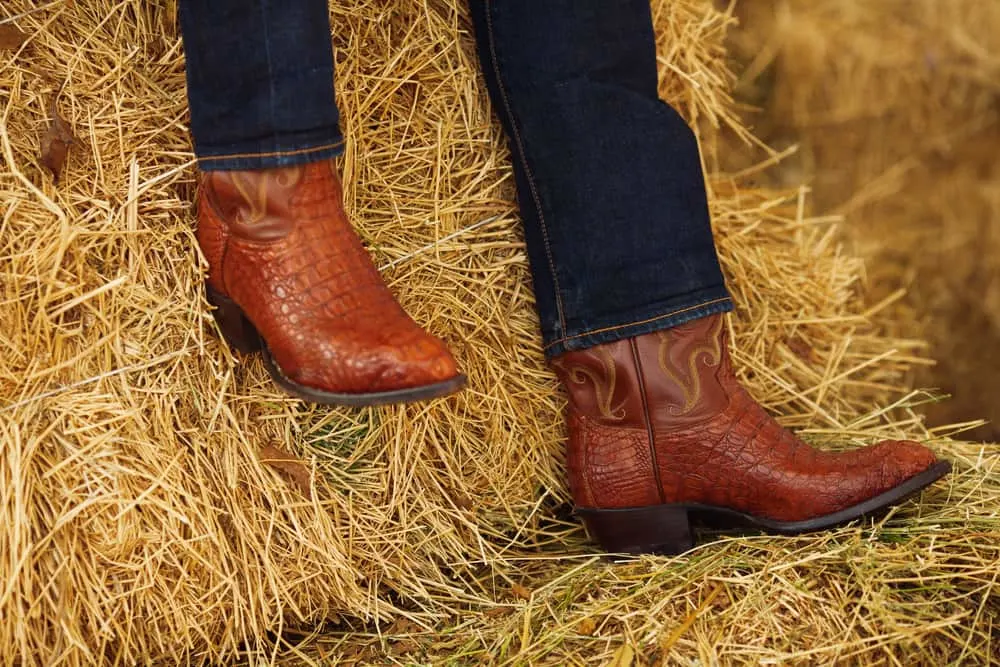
point(637, 322)
point(524, 163)
point(270, 65)
point(298, 151)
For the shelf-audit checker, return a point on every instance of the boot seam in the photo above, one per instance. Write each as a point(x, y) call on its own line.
point(650, 433)
point(583, 456)
point(222, 264)
point(206, 198)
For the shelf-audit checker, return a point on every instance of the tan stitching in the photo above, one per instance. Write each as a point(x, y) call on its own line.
point(604, 385)
point(687, 378)
point(524, 164)
point(637, 323)
point(300, 151)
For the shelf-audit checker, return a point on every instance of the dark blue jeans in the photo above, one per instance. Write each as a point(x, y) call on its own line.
point(260, 82)
point(608, 176)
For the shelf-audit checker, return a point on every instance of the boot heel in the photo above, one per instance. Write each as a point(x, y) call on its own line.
point(659, 529)
point(238, 331)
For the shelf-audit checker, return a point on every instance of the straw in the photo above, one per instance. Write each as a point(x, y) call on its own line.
point(143, 518)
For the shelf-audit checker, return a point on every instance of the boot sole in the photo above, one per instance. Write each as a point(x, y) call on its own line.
point(666, 529)
point(241, 334)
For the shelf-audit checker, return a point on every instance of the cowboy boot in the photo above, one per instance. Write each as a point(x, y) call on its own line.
point(661, 432)
point(289, 277)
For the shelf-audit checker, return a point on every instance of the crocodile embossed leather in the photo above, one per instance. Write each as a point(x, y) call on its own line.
point(289, 276)
point(660, 431)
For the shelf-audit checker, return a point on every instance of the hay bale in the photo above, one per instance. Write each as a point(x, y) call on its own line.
point(148, 513)
point(897, 107)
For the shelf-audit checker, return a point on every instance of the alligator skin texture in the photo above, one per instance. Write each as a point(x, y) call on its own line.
point(279, 244)
point(661, 418)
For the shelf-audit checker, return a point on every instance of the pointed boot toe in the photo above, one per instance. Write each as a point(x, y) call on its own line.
point(903, 459)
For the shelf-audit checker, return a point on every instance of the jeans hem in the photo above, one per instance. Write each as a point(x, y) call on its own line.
point(673, 317)
point(232, 161)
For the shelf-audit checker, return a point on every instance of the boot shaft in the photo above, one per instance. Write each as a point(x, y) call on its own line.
point(259, 208)
point(665, 380)
point(626, 394)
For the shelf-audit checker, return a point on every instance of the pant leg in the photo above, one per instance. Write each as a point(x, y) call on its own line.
point(609, 179)
point(260, 82)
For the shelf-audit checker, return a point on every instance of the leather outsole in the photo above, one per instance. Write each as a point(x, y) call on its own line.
point(312, 395)
point(667, 529)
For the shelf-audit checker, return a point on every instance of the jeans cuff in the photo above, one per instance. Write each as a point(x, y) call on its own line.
point(664, 319)
point(242, 159)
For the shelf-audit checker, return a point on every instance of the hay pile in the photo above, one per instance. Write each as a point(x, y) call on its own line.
point(148, 512)
point(897, 107)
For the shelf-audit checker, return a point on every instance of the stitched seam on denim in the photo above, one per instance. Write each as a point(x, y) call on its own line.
point(638, 322)
point(650, 435)
point(270, 65)
point(524, 164)
point(300, 151)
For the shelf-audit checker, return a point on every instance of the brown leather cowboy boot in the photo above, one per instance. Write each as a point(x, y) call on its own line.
point(661, 432)
point(289, 277)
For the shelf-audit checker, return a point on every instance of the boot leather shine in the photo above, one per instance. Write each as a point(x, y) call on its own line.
point(661, 420)
point(280, 247)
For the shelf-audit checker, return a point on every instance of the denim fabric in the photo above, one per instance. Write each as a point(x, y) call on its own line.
point(609, 177)
point(260, 82)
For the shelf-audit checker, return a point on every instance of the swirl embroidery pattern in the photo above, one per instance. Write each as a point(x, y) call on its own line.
point(687, 377)
point(255, 191)
point(603, 385)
